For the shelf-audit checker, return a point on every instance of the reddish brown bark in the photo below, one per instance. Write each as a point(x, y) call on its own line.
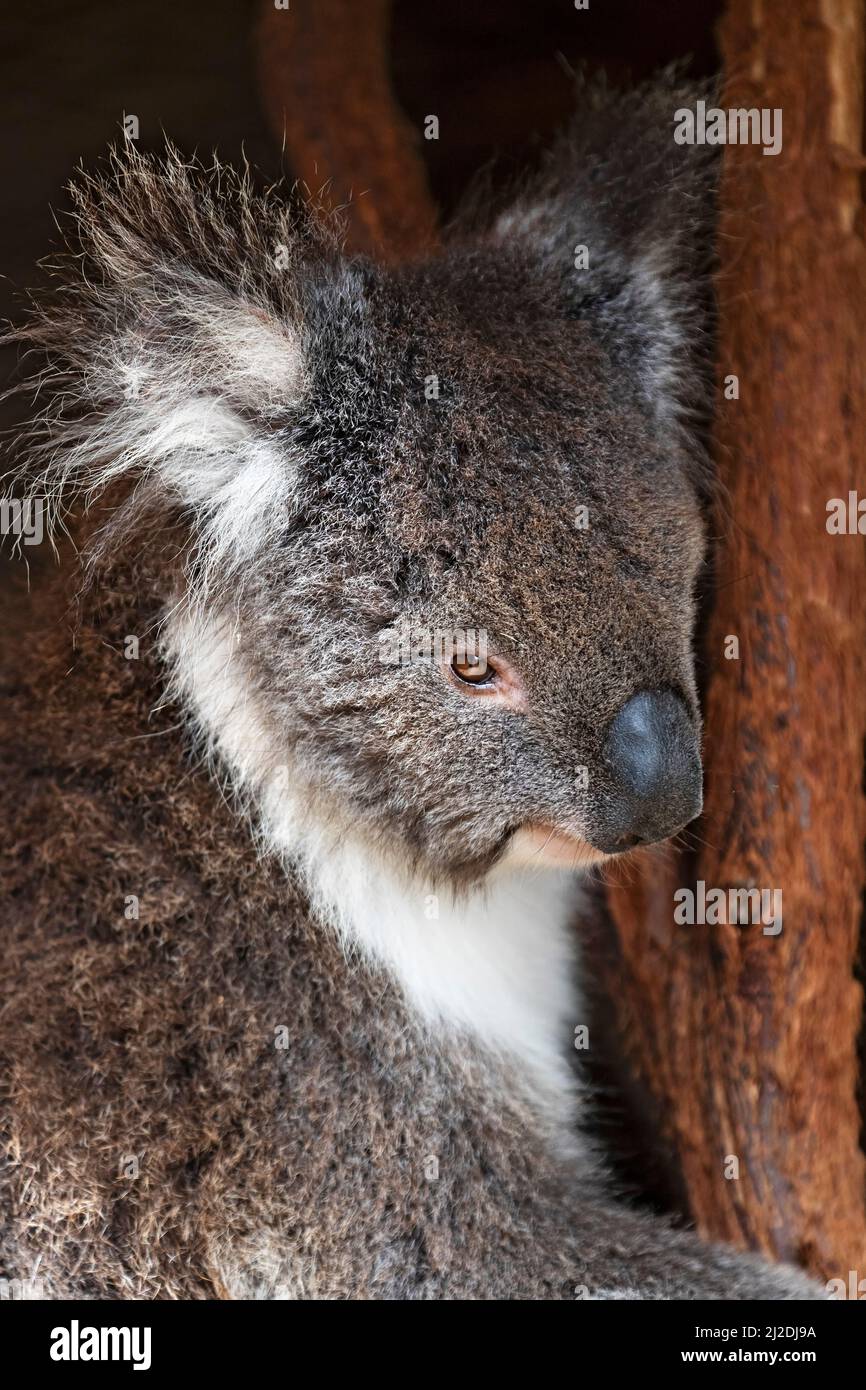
point(748, 1041)
point(324, 72)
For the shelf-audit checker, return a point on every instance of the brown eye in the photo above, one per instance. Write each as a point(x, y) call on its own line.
point(473, 673)
point(495, 682)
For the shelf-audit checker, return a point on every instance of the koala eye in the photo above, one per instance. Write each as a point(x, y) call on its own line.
point(473, 673)
point(495, 682)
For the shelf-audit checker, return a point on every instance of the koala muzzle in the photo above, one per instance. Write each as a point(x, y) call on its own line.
point(653, 761)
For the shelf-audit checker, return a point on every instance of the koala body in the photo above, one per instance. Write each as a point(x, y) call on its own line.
point(290, 969)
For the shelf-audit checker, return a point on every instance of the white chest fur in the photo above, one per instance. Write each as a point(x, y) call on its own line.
point(496, 965)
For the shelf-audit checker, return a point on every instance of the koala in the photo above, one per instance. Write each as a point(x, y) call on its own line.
point(371, 639)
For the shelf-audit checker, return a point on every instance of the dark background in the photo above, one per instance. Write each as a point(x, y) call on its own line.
point(489, 69)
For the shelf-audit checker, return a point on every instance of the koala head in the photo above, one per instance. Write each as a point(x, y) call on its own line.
point(443, 518)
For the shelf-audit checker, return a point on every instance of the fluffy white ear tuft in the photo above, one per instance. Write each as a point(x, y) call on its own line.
point(202, 405)
point(175, 349)
point(260, 356)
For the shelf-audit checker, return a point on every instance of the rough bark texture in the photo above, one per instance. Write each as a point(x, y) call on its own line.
point(747, 1042)
point(324, 73)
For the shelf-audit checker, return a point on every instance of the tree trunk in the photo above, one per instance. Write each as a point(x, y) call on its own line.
point(746, 1040)
point(325, 77)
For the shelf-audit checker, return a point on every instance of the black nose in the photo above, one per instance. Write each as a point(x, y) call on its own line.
point(653, 760)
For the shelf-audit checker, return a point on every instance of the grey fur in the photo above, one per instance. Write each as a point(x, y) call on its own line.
point(300, 1172)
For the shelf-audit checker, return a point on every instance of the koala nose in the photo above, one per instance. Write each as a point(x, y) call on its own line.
point(651, 752)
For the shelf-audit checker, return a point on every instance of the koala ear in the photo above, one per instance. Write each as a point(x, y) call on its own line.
point(623, 216)
point(175, 346)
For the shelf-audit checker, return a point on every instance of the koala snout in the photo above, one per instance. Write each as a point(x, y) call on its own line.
point(653, 761)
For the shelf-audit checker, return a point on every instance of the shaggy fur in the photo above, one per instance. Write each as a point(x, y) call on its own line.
point(245, 1074)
